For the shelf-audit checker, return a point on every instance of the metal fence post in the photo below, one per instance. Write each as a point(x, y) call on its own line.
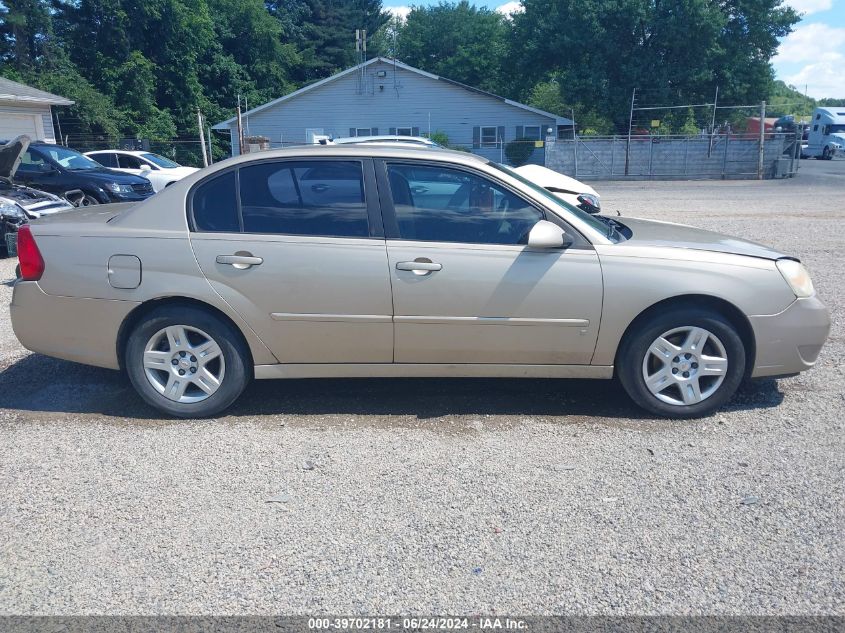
point(761, 156)
point(612, 153)
point(650, 158)
point(725, 156)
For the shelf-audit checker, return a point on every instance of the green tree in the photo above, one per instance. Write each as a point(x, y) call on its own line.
point(458, 41)
point(672, 52)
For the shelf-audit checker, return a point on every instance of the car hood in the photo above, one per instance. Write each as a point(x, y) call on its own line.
point(670, 235)
point(10, 156)
point(552, 180)
point(109, 175)
point(36, 203)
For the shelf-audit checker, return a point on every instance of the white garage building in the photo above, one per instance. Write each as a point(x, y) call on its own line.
point(26, 110)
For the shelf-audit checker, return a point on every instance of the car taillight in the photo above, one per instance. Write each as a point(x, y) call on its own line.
point(32, 264)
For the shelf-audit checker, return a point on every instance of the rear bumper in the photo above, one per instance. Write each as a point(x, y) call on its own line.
point(790, 341)
point(79, 330)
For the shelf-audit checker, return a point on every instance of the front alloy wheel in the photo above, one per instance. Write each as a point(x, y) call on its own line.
point(685, 366)
point(681, 363)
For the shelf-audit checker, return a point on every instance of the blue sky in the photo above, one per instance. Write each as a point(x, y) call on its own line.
point(812, 55)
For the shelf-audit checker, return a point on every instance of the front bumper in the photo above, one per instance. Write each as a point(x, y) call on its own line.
point(79, 330)
point(790, 341)
point(127, 197)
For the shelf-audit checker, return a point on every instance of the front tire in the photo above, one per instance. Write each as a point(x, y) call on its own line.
point(826, 155)
point(682, 364)
point(186, 362)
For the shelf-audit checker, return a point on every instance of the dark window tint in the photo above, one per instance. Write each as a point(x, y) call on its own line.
point(33, 162)
point(107, 159)
point(449, 205)
point(324, 198)
point(128, 162)
point(214, 205)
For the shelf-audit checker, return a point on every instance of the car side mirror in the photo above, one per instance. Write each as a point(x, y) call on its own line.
point(546, 234)
point(146, 168)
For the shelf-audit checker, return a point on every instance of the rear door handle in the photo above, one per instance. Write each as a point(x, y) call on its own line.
point(421, 266)
point(241, 261)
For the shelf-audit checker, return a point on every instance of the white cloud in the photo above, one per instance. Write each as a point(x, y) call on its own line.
point(399, 12)
point(809, 42)
point(509, 8)
point(823, 78)
point(806, 7)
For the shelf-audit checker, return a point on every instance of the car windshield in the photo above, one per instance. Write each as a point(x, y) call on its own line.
point(69, 159)
point(161, 161)
point(605, 229)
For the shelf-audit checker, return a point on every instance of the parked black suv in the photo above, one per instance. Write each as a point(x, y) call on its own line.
point(61, 170)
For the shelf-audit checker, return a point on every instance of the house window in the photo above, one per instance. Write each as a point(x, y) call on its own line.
point(404, 131)
point(531, 133)
point(363, 131)
point(489, 136)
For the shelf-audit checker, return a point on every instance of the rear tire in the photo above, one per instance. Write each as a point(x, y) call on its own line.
point(682, 364)
point(187, 362)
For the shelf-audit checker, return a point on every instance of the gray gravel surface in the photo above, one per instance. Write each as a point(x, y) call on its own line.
point(432, 496)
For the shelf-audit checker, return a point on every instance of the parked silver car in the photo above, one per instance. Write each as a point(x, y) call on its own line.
point(335, 261)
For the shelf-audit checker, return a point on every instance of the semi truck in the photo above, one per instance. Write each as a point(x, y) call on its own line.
point(826, 138)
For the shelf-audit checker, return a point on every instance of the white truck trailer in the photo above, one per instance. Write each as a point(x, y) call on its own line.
point(827, 134)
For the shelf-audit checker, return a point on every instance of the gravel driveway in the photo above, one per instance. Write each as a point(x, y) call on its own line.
point(433, 496)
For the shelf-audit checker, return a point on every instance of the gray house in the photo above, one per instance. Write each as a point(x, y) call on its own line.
point(383, 96)
point(26, 110)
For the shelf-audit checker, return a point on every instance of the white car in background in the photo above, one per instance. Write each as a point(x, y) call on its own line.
point(160, 171)
point(392, 139)
point(568, 189)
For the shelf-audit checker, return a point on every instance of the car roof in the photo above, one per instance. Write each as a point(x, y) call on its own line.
point(360, 150)
point(131, 152)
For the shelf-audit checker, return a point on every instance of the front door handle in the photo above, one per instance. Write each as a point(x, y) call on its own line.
point(240, 260)
point(420, 266)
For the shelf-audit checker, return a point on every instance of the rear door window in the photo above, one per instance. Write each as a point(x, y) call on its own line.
point(107, 159)
point(319, 198)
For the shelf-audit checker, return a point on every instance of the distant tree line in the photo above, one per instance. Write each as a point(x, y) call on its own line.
point(141, 68)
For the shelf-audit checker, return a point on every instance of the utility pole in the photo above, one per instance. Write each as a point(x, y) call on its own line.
point(630, 123)
point(574, 141)
point(240, 128)
point(762, 140)
point(713, 124)
point(202, 138)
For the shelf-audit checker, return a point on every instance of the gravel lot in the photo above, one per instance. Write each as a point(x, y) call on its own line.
point(431, 496)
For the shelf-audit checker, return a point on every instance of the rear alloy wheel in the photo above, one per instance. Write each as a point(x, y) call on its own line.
point(683, 364)
point(186, 362)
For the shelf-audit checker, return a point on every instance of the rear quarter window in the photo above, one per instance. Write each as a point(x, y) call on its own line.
point(214, 205)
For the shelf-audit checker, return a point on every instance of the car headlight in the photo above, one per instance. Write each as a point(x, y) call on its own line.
point(797, 277)
point(12, 209)
point(118, 188)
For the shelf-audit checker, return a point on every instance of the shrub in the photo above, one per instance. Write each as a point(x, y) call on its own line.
point(519, 151)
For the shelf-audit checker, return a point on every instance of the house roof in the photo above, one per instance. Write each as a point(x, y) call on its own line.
point(14, 91)
point(223, 125)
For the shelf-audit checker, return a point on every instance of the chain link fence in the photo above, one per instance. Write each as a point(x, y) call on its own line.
point(716, 156)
